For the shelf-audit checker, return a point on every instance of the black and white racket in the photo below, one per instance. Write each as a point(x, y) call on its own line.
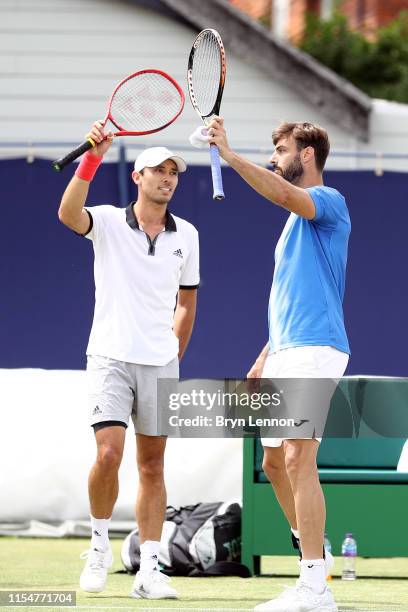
point(206, 77)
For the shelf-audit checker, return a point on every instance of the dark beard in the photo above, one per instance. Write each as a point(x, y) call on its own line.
point(294, 171)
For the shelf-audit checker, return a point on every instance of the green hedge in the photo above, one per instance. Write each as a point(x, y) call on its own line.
point(380, 67)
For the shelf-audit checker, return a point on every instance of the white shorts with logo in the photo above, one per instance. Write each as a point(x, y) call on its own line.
point(119, 390)
point(304, 362)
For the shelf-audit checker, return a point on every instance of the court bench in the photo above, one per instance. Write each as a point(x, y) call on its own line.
point(364, 492)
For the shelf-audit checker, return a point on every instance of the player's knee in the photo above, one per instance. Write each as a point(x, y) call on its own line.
point(273, 467)
point(300, 460)
point(109, 458)
point(273, 458)
point(150, 468)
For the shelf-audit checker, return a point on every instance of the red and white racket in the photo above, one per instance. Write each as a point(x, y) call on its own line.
point(142, 103)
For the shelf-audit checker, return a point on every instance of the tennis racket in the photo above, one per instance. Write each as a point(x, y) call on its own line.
point(142, 103)
point(206, 77)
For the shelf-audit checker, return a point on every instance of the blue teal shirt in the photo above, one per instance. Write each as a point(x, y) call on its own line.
point(306, 300)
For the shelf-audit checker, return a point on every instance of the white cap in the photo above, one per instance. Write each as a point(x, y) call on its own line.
point(149, 158)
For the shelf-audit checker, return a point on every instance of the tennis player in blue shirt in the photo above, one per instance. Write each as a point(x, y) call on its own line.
point(307, 337)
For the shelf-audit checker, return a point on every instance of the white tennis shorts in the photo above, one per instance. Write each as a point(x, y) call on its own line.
point(118, 391)
point(304, 362)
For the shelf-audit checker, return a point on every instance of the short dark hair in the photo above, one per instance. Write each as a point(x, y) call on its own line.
point(306, 135)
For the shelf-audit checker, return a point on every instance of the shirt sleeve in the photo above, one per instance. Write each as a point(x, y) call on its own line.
point(97, 218)
point(190, 275)
point(329, 205)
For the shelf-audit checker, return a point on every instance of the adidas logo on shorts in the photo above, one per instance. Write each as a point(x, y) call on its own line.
point(178, 253)
point(97, 410)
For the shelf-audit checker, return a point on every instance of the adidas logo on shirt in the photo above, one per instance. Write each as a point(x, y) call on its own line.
point(178, 253)
point(97, 410)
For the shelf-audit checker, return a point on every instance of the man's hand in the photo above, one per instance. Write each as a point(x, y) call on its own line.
point(71, 211)
point(218, 136)
point(256, 370)
point(103, 140)
point(254, 374)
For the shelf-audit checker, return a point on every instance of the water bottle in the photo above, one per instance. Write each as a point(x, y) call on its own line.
point(327, 548)
point(349, 554)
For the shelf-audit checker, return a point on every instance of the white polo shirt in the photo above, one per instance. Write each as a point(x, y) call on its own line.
point(136, 284)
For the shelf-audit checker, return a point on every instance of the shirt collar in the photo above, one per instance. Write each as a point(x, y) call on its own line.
point(170, 225)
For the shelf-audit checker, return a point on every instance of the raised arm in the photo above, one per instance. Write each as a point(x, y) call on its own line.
point(71, 211)
point(269, 184)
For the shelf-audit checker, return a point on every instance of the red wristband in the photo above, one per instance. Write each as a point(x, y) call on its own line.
point(88, 166)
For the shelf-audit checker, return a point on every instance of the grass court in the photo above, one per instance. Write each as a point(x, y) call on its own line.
point(48, 564)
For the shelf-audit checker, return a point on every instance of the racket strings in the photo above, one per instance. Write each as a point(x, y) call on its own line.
point(206, 73)
point(145, 102)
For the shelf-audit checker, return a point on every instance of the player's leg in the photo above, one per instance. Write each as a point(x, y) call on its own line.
point(149, 582)
point(301, 468)
point(274, 467)
point(151, 445)
point(103, 482)
point(103, 491)
point(311, 592)
point(326, 363)
point(110, 403)
point(274, 459)
point(111, 397)
point(151, 498)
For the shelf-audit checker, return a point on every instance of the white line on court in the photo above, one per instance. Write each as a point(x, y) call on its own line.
point(187, 609)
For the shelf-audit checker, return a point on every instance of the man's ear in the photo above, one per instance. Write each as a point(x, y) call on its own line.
point(308, 155)
point(136, 177)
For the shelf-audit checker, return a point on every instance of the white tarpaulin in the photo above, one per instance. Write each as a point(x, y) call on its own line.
point(47, 448)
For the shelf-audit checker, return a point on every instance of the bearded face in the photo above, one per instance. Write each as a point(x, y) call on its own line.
point(286, 160)
point(294, 171)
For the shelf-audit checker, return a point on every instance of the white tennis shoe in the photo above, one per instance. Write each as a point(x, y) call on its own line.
point(95, 573)
point(152, 585)
point(300, 598)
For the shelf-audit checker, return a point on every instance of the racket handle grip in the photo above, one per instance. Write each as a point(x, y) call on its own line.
point(216, 173)
point(59, 164)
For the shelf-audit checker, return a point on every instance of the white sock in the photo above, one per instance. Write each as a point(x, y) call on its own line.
point(295, 533)
point(100, 534)
point(313, 572)
point(149, 555)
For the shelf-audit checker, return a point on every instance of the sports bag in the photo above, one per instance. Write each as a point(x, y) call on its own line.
point(199, 540)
